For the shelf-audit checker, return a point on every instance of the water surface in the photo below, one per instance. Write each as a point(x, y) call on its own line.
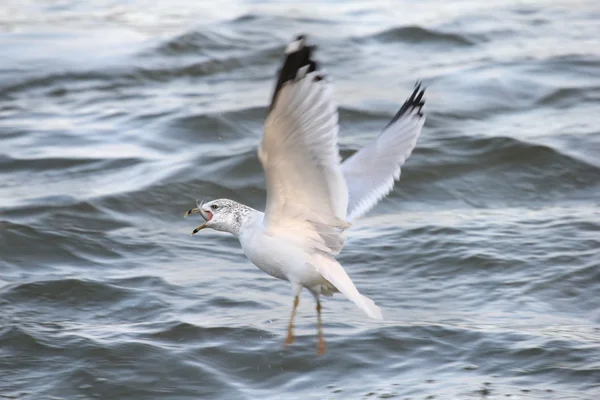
point(115, 116)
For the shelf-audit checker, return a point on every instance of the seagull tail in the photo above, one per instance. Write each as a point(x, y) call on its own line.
point(333, 272)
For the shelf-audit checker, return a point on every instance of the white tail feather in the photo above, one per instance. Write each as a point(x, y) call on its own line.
point(331, 270)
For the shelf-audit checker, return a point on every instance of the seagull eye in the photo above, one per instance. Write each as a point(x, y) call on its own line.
point(214, 207)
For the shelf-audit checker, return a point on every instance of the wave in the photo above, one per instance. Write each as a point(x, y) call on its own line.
point(53, 247)
point(197, 42)
point(211, 42)
point(71, 164)
point(66, 291)
point(140, 73)
point(569, 96)
point(420, 35)
point(500, 167)
point(129, 301)
point(278, 19)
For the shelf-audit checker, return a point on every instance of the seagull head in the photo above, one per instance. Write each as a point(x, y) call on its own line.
point(221, 215)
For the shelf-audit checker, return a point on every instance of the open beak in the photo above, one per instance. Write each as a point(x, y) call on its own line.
point(207, 215)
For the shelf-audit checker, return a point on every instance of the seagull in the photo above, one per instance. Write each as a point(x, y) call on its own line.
point(311, 195)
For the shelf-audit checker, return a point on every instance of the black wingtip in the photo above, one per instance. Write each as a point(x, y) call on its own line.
point(298, 54)
point(414, 102)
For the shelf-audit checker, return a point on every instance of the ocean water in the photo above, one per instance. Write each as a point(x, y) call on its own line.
point(116, 115)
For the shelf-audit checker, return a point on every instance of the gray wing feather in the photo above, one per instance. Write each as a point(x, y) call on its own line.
point(371, 172)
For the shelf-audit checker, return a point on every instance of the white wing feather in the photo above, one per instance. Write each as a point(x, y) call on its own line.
point(370, 173)
point(306, 190)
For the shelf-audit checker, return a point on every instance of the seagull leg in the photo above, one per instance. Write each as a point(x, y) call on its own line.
point(321, 347)
point(290, 336)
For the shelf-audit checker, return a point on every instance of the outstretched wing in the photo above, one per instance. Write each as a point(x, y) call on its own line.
point(306, 190)
point(371, 172)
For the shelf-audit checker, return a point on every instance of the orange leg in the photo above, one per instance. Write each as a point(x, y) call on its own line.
point(321, 347)
point(290, 336)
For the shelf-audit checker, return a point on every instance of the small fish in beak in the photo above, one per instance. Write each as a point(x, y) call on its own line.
point(192, 211)
point(207, 215)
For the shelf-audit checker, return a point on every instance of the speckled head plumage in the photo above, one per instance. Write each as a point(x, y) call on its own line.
point(222, 215)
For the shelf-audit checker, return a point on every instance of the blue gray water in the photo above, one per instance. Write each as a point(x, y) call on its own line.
point(116, 115)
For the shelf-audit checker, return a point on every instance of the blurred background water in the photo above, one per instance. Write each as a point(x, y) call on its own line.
point(116, 115)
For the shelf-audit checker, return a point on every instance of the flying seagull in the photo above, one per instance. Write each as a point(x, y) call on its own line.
point(311, 195)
